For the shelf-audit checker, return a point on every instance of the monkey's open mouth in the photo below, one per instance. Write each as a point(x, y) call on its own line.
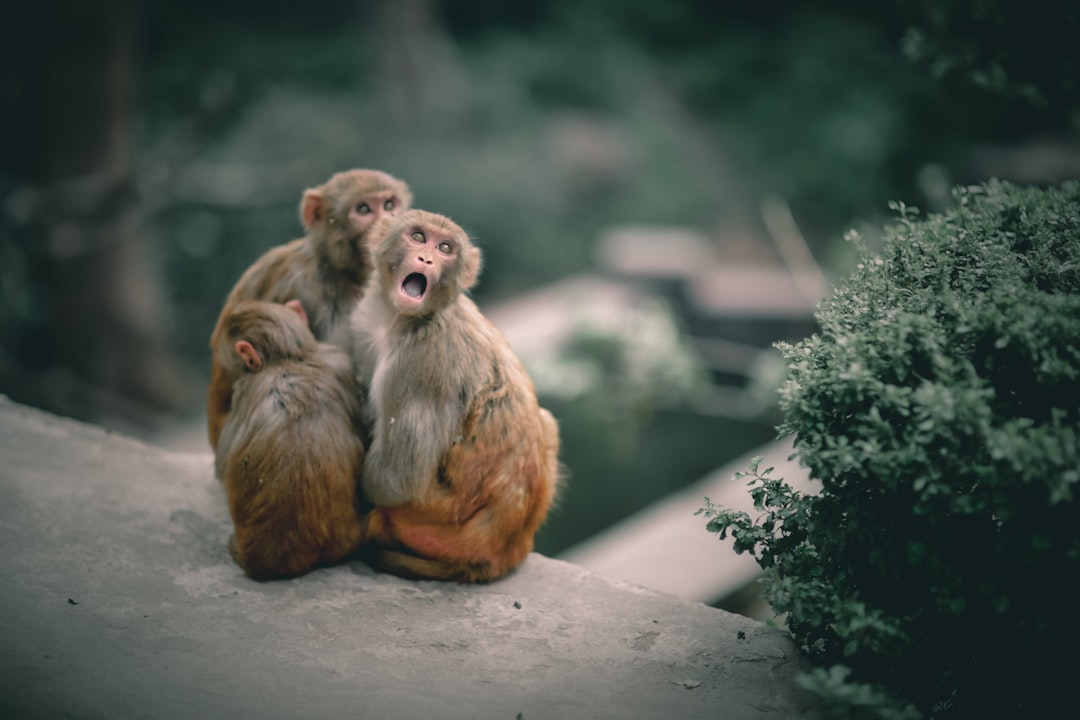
point(414, 285)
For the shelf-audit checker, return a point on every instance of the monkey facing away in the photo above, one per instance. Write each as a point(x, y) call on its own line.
point(326, 270)
point(463, 463)
point(290, 453)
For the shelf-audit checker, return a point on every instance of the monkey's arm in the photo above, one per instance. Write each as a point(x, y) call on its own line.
point(402, 463)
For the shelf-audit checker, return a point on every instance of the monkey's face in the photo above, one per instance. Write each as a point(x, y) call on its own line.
point(362, 210)
point(424, 262)
point(360, 198)
point(340, 214)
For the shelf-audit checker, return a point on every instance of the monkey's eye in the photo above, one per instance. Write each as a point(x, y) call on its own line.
point(419, 236)
point(363, 208)
point(445, 247)
point(388, 205)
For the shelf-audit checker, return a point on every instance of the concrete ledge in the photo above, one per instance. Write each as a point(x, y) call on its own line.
point(119, 600)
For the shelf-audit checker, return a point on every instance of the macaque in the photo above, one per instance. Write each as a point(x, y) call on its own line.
point(290, 453)
point(326, 270)
point(462, 466)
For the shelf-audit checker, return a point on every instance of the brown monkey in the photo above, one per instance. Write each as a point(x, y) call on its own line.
point(463, 462)
point(326, 269)
point(290, 451)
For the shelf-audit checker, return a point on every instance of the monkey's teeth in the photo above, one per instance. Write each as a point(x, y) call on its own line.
point(414, 285)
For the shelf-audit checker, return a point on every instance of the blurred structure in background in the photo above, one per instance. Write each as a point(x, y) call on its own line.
point(658, 548)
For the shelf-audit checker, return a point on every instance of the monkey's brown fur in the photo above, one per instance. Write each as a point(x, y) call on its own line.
point(326, 269)
point(290, 451)
point(463, 463)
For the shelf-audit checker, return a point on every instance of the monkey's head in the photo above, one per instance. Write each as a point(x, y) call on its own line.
point(339, 214)
point(423, 261)
point(259, 333)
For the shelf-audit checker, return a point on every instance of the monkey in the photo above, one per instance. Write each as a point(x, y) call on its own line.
point(290, 451)
point(326, 270)
point(462, 465)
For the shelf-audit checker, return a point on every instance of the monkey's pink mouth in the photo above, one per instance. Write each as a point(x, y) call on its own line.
point(414, 285)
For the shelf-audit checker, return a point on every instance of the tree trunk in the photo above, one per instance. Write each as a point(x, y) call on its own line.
point(104, 320)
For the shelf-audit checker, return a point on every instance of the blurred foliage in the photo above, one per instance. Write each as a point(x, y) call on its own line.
point(622, 368)
point(1012, 50)
point(533, 125)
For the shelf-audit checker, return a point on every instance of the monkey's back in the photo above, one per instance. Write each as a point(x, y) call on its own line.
point(287, 272)
point(290, 456)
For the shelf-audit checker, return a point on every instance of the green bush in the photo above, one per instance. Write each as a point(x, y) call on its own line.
point(934, 573)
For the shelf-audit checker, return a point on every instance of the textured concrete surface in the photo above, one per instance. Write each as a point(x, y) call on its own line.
point(119, 600)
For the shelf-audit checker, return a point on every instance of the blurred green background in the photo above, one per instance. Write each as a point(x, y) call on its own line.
point(151, 151)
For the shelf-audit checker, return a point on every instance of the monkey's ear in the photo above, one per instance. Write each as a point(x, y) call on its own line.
point(471, 261)
point(297, 307)
point(250, 355)
point(312, 208)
